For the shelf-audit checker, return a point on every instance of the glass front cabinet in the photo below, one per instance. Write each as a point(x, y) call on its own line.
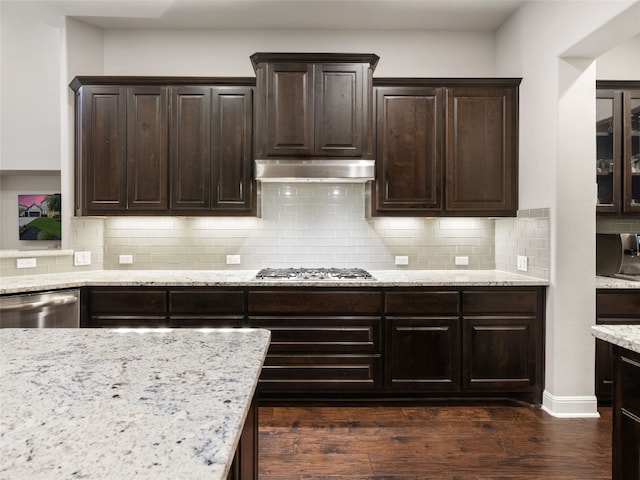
point(618, 147)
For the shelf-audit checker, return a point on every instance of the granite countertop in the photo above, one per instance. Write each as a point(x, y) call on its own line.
point(145, 404)
point(625, 336)
point(382, 278)
point(613, 283)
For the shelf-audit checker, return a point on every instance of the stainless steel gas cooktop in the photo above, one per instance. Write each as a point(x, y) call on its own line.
point(313, 274)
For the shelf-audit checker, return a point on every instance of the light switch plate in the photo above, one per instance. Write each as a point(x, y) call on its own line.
point(81, 258)
point(25, 263)
point(522, 264)
point(402, 260)
point(233, 259)
point(125, 259)
point(462, 260)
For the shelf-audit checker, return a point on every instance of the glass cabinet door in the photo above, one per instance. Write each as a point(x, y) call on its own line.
point(608, 150)
point(631, 151)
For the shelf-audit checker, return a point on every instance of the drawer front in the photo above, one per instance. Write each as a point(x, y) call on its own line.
point(344, 335)
point(197, 321)
point(126, 321)
point(611, 304)
point(326, 373)
point(421, 303)
point(128, 302)
point(315, 302)
point(206, 303)
point(499, 301)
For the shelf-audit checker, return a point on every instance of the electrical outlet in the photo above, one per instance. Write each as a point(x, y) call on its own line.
point(233, 259)
point(462, 260)
point(522, 263)
point(25, 263)
point(402, 260)
point(81, 258)
point(125, 259)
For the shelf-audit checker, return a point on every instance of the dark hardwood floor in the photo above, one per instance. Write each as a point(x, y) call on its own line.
point(497, 442)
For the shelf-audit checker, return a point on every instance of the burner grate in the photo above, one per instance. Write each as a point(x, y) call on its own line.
point(314, 274)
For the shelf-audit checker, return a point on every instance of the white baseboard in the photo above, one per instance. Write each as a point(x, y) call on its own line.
point(570, 407)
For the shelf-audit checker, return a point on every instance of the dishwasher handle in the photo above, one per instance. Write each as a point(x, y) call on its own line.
point(52, 301)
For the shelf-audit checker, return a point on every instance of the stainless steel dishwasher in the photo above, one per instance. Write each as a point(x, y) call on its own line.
point(55, 309)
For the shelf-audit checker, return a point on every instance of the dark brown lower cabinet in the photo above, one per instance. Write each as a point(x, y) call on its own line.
point(201, 307)
point(502, 341)
point(423, 341)
point(245, 462)
point(423, 354)
point(626, 415)
point(374, 343)
point(613, 307)
point(322, 340)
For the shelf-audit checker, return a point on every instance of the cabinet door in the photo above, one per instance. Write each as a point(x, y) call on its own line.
point(423, 354)
point(481, 151)
point(499, 353)
point(409, 149)
point(147, 134)
point(101, 166)
point(626, 415)
point(608, 138)
point(289, 104)
point(232, 149)
point(631, 150)
point(339, 109)
point(190, 142)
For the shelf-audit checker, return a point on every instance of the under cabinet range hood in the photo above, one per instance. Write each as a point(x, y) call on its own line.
point(314, 117)
point(315, 170)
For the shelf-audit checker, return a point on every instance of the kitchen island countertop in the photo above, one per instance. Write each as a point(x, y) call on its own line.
point(191, 278)
point(625, 336)
point(611, 283)
point(161, 404)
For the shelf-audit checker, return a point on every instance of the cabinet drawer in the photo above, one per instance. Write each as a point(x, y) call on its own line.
point(126, 321)
point(203, 321)
point(618, 303)
point(315, 302)
point(421, 303)
point(500, 301)
point(297, 373)
point(205, 303)
point(128, 302)
point(344, 335)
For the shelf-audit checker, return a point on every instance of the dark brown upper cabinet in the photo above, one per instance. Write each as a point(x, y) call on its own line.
point(410, 121)
point(618, 147)
point(164, 146)
point(446, 147)
point(121, 145)
point(211, 146)
point(313, 105)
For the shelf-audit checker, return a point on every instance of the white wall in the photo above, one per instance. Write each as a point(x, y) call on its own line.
point(30, 65)
point(622, 62)
point(226, 53)
point(557, 109)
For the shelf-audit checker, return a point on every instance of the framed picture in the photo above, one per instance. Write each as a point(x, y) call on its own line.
point(39, 216)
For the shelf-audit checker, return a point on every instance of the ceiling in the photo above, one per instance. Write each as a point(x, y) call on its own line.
point(470, 15)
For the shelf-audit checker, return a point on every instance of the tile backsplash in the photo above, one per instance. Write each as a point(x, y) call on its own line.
point(311, 225)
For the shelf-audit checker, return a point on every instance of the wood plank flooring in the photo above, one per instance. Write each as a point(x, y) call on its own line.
point(501, 442)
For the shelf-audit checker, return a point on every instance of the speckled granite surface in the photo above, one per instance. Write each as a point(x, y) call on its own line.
point(383, 278)
point(625, 336)
point(161, 404)
point(613, 283)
